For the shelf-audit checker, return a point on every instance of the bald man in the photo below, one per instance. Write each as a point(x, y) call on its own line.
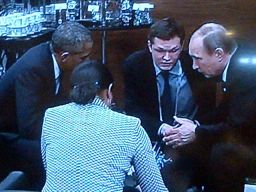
point(232, 133)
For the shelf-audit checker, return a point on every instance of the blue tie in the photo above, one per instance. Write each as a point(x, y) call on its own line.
point(166, 102)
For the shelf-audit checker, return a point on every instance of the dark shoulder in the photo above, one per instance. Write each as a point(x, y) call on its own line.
point(185, 56)
point(36, 57)
point(39, 52)
point(36, 61)
point(138, 58)
point(32, 64)
point(242, 69)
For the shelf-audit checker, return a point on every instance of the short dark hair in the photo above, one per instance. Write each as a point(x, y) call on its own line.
point(70, 36)
point(87, 79)
point(166, 29)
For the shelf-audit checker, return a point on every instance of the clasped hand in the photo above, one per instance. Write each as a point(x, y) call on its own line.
point(180, 134)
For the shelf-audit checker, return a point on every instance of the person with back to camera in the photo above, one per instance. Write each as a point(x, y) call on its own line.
point(88, 147)
point(232, 133)
point(38, 80)
point(145, 95)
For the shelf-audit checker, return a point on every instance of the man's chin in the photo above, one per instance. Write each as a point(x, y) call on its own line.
point(166, 67)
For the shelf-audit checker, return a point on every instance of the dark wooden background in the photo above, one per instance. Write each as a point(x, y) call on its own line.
point(239, 16)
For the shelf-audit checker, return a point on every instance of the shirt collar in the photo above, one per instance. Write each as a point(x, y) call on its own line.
point(224, 74)
point(55, 67)
point(98, 101)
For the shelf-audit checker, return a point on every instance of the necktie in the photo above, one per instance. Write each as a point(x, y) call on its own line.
point(166, 102)
point(64, 88)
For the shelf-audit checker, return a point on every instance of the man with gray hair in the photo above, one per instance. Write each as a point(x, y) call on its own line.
point(37, 81)
point(232, 133)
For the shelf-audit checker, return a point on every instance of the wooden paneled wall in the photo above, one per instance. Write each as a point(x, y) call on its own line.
point(236, 15)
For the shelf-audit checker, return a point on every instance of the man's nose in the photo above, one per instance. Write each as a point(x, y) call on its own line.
point(195, 66)
point(167, 56)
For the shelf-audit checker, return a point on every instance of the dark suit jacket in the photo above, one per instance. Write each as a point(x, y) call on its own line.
point(141, 96)
point(238, 118)
point(26, 91)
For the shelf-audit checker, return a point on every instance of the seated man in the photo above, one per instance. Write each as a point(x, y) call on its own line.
point(159, 84)
point(37, 81)
point(88, 147)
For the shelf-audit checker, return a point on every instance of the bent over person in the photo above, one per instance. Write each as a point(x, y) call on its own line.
point(231, 134)
point(37, 81)
point(88, 147)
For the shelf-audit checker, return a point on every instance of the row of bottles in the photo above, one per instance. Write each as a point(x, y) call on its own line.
point(73, 10)
point(113, 12)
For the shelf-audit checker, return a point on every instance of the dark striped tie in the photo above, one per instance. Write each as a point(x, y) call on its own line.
point(166, 102)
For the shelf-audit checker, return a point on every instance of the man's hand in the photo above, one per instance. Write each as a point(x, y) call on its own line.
point(181, 134)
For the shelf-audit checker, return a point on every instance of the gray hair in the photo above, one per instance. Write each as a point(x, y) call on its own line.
point(71, 37)
point(215, 36)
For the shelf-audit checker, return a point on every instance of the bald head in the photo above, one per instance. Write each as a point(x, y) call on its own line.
point(208, 28)
point(211, 47)
point(215, 36)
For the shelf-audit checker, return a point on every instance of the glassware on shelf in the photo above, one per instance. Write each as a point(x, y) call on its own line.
point(18, 24)
point(113, 12)
point(21, 19)
point(92, 11)
point(142, 13)
point(126, 12)
point(101, 11)
point(73, 10)
point(24, 24)
point(49, 15)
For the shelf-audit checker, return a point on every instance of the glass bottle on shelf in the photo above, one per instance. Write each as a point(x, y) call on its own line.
point(113, 11)
point(126, 12)
point(73, 10)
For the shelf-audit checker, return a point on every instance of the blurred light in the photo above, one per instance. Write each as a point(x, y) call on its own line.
point(244, 60)
point(254, 60)
point(230, 33)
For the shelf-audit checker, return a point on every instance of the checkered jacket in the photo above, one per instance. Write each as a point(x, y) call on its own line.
point(91, 148)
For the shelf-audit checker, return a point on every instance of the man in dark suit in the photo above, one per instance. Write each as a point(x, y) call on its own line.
point(145, 87)
point(37, 81)
point(232, 132)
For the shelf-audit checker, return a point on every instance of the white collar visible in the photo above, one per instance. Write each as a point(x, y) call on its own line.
point(55, 67)
point(56, 74)
point(224, 74)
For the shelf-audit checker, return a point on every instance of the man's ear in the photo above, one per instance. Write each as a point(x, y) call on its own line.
point(64, 56)
point(109, 93)
point(219, 53)
point(149, 46)
point(182, 45)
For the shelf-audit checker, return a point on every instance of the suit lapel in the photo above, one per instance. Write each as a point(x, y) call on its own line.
point(149, 82)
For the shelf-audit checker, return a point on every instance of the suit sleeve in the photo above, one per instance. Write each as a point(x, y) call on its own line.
point(241, 113)
point(30, 103)
point(133, 97)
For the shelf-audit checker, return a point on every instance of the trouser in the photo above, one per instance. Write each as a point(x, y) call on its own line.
point(229, 164)
point(187, 168)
